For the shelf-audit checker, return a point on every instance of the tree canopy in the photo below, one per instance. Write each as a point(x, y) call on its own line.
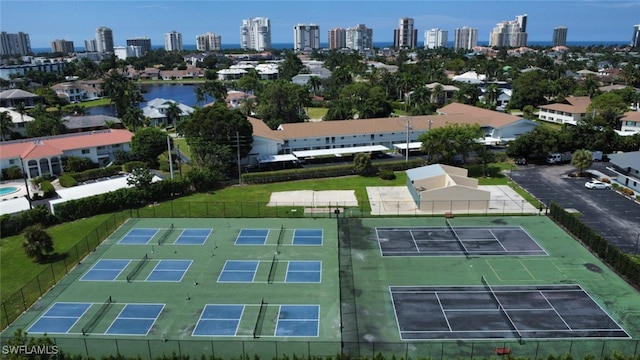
point(444, 143)
point(147, 143)
point(282, 102)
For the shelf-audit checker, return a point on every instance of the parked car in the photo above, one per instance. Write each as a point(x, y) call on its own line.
point(595, 184)
point(520, 161)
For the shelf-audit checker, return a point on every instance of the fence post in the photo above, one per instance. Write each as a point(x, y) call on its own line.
point(6, 315)
point(53, 273)
point(77, 253)
point(86, 349)
point(39, 287)
point(171, 206)
point(24, 303)
point(149, 347)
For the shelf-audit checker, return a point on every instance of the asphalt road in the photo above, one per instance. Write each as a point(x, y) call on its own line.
point(611, 214)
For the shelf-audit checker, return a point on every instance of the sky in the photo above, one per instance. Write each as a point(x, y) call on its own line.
point(77, 20)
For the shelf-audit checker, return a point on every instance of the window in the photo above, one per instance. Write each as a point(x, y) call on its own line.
point(11, 162)
point(85, 151)
point(115, 146)
point(100, 147)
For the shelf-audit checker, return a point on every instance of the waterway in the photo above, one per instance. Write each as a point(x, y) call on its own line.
point(182, 93)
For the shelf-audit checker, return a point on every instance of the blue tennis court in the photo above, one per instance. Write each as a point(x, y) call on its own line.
point(219, 320)
point(238, 271)
point(307, 237)
point(59, 319)
point(252, 237)
point(135, 319)
point(169, 270)
point(106, 270)
point(298, 320)
point(303, 271)
point(193, 237)
point(138, 237)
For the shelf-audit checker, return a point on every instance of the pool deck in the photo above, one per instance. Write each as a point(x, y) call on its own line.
point(15, 201)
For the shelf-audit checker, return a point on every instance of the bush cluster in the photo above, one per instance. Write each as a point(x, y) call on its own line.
point(129, 166)
point(96, 173)
point(12, 224)
point(386, 174)
point(12, 173)
point(67, 180)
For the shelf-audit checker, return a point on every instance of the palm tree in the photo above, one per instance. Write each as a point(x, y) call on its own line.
point(173, 112)
point(133, 117)
point(491, 95)
point(248, 106)
point(37, 242)
point(314, 83)
point(21, 108)
point(438, 94)
point(6, 122)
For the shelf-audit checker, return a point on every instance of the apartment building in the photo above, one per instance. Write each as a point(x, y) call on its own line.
point(62, 46)
point(435, 38)
point(209, 42)
point(255, 33)
point(104, 40)
point(173, 41)
point(465, 38)
point(510, 33)
point(337, 38)
point(405, 36)
point(14, 44)
point(306, 37)
point(359, 38)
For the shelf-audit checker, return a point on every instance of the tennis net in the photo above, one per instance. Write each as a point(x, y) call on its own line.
point(261, 313)
point(281, 235)
point(132, 274)
point(455, 235)
point(272, 269)
point(501, 308)
point(94, 319)
point(166, 234)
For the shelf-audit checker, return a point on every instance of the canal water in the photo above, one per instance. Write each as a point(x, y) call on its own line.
point(182, 93)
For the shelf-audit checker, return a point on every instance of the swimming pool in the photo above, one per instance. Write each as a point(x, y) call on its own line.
point(7, 190)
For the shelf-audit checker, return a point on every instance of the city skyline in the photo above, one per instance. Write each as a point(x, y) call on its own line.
point(46, 21)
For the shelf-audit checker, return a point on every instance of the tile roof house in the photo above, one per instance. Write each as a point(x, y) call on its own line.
point(18, 122)
point(156, 109)
point(570, 111)
point(630, 123)
point(10, 98)
point(78, 123)
point(43, 155)
point(79, 91)
point(433, 186)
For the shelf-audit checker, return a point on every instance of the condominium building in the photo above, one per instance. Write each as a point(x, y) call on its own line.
point(124, 52)
point(14, 44)
point(635, 39)
point(173, 41)
point(465, 38)
point(90, 45)
point(255, 33)
point(208, 42)
point(143, 42)
point(435, 38)
point(62, 46)
point(104, 40)
point(510, 33)
point(337, 38)
point(306, 37)
point(405, 36)
point(560, 36)
point(359, 38)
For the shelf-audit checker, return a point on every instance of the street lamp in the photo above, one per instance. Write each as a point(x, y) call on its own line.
point(635, 253)
point(429, 145)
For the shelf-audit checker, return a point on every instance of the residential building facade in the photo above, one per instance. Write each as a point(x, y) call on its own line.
point(635, 39)
point(560, 36)
point(630, 122)
point(570, 111)
point(255, 33)
point(359, 38)
point(90, 45)
point(465, 38)
point(124, 52)
point(62, 46)
point(50, 67)
point(143, 42)
point(435, 38)
point(209, 42)
point(306, 37)
point(337, 38)
point(173, 41)
point(405, 36)
point(104, 40)
point(14, 44)
point(510, 33)
point(627, 169)
point(79, 91)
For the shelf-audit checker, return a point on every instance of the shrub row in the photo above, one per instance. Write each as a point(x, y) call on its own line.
point(324, 171)
point(12, 224)
point(12, 173)
point(96, 173)
point(622, 263)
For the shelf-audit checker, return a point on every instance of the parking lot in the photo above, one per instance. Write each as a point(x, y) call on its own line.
point(609, 213)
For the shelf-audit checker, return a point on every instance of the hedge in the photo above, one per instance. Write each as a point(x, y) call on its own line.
point(12, 224)
point(96, 173)
point(622, 263)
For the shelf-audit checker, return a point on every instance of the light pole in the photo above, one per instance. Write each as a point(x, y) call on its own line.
point(406, 156)
point(429, 145)
point(635, 253)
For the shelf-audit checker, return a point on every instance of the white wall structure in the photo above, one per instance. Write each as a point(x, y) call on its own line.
point(209, 42)
point(104, 40)
point(510, 33)
point(173, 41)
point(306, 37)
point(255, 33)
point(435, 38)
point(465, 38)
point(405, 36)
point(359, 38)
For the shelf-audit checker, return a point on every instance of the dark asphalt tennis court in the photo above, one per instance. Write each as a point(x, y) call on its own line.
point(456, 241)
point(504, 312)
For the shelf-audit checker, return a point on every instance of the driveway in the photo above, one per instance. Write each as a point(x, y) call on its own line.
point(612, 215)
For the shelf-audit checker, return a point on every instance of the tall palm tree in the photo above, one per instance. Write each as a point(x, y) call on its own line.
point(314, 83)
point(173, 112)
point(21, 109)
point(5, 125)
point(37, 243)
point(134, 118)
point(438, 94)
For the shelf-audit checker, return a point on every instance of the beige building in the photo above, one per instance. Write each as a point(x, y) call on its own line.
point(442, 188)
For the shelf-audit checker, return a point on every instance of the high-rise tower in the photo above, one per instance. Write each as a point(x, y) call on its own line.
point(405, 36)
point(306, 37)
point(255, 33)
point(104, 40)
point(465, 38)
point(560, 36)
point(337, 38)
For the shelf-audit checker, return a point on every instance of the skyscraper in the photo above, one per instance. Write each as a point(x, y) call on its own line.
point(337, 38)
point(90, 45)
point(359, 38)
point(62, 46)
point(405, 36)
point(435, 38)
point(173, 41)
point(104, 40)
point(465, 38)
point(510, 33)
point(255, 33)
point(560, 36)
point(208, 42)
point(143, 42)
point(306, 36)
point(14, 44)
point(635, 39)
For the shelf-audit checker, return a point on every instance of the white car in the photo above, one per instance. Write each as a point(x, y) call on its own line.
point(595, 184)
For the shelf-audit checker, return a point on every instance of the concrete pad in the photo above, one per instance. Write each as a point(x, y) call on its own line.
point(310, 198)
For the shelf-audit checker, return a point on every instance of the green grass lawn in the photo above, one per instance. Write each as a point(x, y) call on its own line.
point(316, 112)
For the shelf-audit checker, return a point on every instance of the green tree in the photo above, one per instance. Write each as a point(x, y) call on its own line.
point(147, 143)
point(45, 123)
point(528, 89)
point(213, 88)
point(173, 113)
point(538, 142)
point(582, 159)
point(446, 142)
point(133, 118)
point(140, 178)
point(280, 102)
point(122, 92)
point(362, 164)
point(37, 242)
point(340, 109)
point(290, 67)
point(20, 338)
point(6, 122)
point(606, 109)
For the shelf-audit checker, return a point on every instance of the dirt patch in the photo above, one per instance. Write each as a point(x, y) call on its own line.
point(593, 267)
